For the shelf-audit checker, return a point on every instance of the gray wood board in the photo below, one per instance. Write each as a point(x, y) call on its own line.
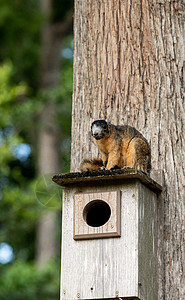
point(100, 176)
point(100, 268)
point(112, 267)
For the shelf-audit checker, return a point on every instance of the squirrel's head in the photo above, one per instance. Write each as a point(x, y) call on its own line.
point(99, 129)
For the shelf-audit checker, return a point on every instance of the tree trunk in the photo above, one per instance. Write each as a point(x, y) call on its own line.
point(52, 35)
point(48, 163)
point(128, 67)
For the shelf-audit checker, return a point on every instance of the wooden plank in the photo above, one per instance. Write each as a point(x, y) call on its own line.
point(123, 267)
point(101, 176)
point(101, 268)
point(111, 228)
point(147, 246)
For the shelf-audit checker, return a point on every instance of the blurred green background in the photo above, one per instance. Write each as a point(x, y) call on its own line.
point(36, 57)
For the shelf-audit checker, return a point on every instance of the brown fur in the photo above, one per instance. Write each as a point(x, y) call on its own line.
point(121, 146)
point(91, 164)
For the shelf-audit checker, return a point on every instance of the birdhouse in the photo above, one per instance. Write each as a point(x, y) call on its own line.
point(109, 235)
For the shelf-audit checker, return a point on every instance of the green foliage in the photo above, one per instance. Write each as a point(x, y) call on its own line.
point(24, 195)
point(23, 281)
point(8, 95)
point(21, 212)
point(19, 30)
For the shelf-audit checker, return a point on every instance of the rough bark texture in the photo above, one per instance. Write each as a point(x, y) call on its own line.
point(129, 68)
point(48, 136)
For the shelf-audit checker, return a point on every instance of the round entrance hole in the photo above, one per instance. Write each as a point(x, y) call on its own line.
point(96, 213)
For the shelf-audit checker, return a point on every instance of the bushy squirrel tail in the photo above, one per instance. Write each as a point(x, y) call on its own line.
point(91, 164)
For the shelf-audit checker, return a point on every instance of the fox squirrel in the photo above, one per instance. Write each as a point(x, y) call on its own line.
point(120, 146)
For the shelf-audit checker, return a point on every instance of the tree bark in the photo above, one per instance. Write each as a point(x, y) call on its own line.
point(129, 68)
point(52, 35)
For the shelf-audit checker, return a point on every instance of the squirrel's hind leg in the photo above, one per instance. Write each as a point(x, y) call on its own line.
point(139, 155)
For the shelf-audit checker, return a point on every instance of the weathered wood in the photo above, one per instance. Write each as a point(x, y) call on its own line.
point(129, 67)
point(106, 175)
point(147, 244)
point(125, 266)
point(111, 228)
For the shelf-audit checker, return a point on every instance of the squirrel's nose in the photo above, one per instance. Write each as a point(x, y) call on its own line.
point(95, 134)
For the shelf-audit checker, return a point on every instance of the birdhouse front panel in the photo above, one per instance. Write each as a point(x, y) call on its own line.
point(103, 267)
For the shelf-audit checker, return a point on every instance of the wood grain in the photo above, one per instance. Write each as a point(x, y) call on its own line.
point(108, 267)
point(110, 229)
point(129, 67)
